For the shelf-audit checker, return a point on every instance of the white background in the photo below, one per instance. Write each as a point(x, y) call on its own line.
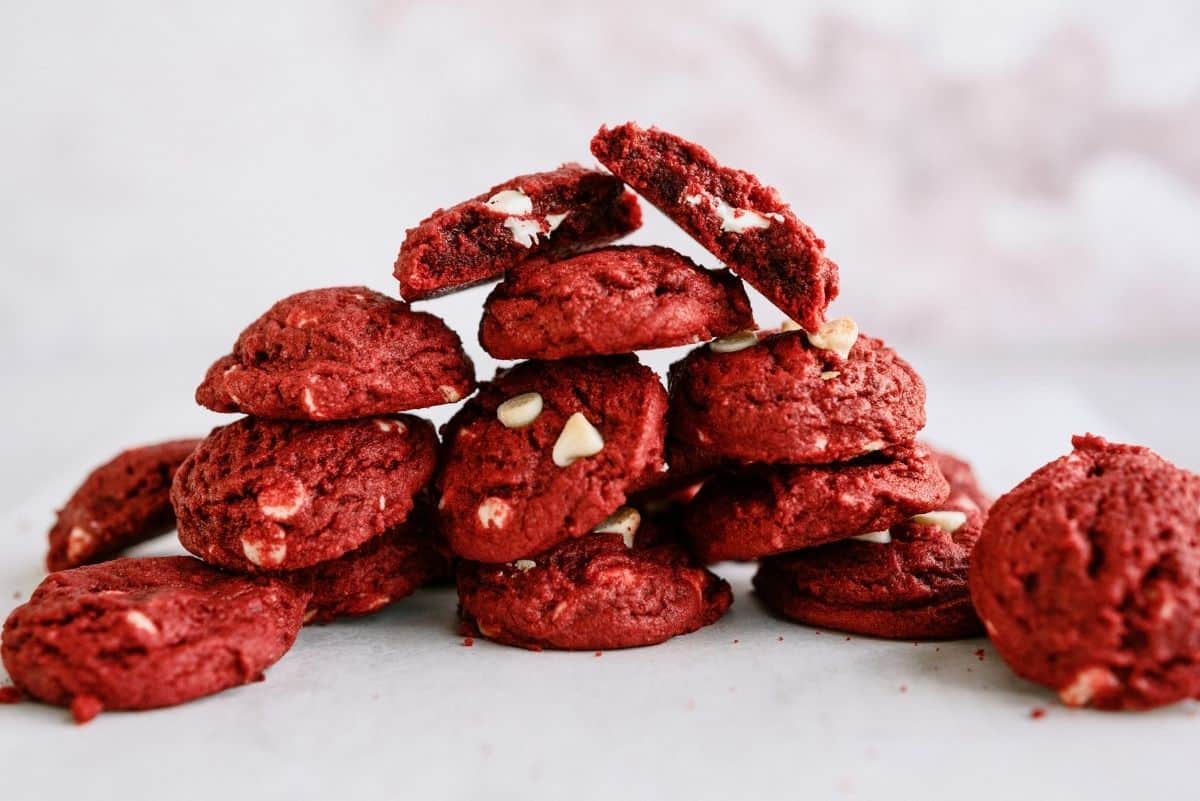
point(1013, 193)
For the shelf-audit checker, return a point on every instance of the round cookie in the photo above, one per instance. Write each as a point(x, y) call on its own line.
point(592, 593)
point(784, 400)
point(547, 451)
point(338, 354)
point(548, 214)
point(121, 503)
point(607, 301)
point(389, 567)
point(737, 219)
point(763, 510)
point(271, 495)
point(146, 633)
point(1087, 577)
point(909, 583)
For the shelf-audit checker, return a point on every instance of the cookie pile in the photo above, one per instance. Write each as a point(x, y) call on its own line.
point(575, 500)
point(552, 489)
point(804, 438)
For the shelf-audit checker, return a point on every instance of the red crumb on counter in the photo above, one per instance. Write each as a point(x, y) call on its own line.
point(85, 707)
point(1037, 713)
point(468, 641)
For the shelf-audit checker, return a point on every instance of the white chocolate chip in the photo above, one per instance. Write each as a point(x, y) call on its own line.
point(385, 425)
point(441, 504)
point(693, 200)
point(510, 201)
point(1084, 686)
point(382, 502)
point(78, 542)
point(948, 521)
point(554, 220)
point(264, 554)
point(579, 439)
point(774, 215)
point(878, 537)
point(493, 512)
point(449, 393)
point(310, 406)
point(139, 620)
point(524, 564)
point(734, 342)
point(520, 410)
point(378, 602)
point(820, 442)
point(624, 521)
point(524, 232)
point(281, 501)
point(789, 325)
point(309, 616)
point(738, 220)
point(837, 335)
point(872, 446)
point(829, 375)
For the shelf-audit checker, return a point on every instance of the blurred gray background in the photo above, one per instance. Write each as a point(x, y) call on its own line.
point(1012, 189)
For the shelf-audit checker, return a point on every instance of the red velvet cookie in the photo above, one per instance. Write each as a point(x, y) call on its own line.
point(762, 510)
point(120, 504)
point(337, 354)
point(784, 400)
point(544, 214)
point(146, 633)
point(592, 593)
point(270, 495)
point(1087, 577)
point(547, 451)
point(612, 300)
point(909, 583)
point(736, 218)
point(389, 567)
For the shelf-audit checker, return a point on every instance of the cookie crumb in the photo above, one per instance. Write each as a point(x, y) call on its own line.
point(9, 695)
point(1037, 713)
point(735, 642)
point(16, 595)
point(979, 654)
point(84, 708)
point(903, 688)
point(598, 653)
point(781, 638)
point(468, 642)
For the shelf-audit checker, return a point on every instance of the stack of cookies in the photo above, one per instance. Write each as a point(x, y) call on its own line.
point(325, 485)
point(804, 438)
point(552, 488)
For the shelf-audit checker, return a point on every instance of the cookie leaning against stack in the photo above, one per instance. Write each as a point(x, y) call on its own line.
point(806, 437)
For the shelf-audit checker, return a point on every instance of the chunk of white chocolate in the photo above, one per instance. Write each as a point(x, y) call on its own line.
point(264, 554)
point(524, 231)
point(494, 512)
point(738, 220)
point(734, 342)
point(878, 537)
point(524, 565)
point(837, 335)
point(578, 440)
point(510, 201)
point(520, 410)
point(624, 521)
point(949, 521)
